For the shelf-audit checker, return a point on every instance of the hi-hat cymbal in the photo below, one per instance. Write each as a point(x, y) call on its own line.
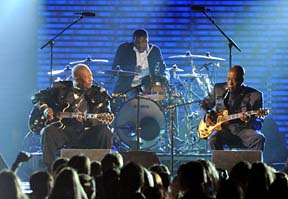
point(191, 56)
point(175, 68)
point(117, 72)
point(190, 75)
point(89, 60)
point(64, 70)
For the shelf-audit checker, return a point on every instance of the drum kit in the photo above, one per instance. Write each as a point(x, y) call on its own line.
point(149, 112)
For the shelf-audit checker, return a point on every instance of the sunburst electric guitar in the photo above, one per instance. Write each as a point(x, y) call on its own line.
point(204, 131)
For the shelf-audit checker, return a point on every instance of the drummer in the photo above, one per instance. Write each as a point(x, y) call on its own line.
point(138, 56)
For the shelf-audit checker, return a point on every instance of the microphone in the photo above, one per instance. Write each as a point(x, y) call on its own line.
point(200, 8)
point(227, 91)
point(86, 14)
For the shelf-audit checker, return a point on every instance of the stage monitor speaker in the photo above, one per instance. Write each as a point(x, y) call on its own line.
point(93, 154)
point(144, 158)
point(3, 164)
point(227, 159)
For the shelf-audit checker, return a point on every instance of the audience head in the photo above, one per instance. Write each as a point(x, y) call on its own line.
point(111, 180)
point(163, 172)
point(88, 184)
point(279, 187)
point(240, 172)
point(212, 184)
point(148, 178)
point(175, 188)
point(192, 176)
point(112, 160)
point(59, 164)
point(10, 185)
point(230, 189)
point(67, 185)
point(81, 163)
point(96, 169)
point(41, 183)
point(260, 178)
point(131, 179)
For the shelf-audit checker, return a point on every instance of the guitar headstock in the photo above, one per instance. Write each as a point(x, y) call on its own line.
point(262, 112)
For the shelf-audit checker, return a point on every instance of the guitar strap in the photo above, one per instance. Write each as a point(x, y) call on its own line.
point(78, 103)
point(75, 103)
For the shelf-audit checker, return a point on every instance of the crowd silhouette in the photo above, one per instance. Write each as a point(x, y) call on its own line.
point(81, 178)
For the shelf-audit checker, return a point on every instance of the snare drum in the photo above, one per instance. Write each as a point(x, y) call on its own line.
point(155, 87)
point(151, 119)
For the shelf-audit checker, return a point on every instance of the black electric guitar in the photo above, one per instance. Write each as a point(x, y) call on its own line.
point(204, 131)
point(37, 120)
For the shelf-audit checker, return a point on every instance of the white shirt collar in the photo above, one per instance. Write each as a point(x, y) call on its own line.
point(146, 51)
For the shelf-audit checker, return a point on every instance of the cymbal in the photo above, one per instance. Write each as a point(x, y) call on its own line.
point(188, 75)
point(89, 60)
point(57, 72)
point(175, 68)
point(191, 56)
point(117, 72)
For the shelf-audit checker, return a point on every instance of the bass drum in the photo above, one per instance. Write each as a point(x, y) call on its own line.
point(151, 120)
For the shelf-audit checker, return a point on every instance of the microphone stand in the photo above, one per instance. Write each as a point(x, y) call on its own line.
point(172, 115)
point(51, 42)
point(231, 43)
point(138, 126)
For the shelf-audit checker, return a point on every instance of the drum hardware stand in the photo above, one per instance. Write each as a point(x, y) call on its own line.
point(188, 87)
point(172, 112)
point(189, 139)
point(138, 127)
point(172, 108)
point(138, 96)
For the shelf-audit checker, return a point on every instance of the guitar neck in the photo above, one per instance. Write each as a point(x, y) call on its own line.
point(79, 115)
point(238, 115)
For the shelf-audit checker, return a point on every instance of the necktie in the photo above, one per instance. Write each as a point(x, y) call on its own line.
point(232, 98)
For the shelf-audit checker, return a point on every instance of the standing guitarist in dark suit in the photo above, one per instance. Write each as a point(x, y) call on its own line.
point(238, 99)
point(77, 114)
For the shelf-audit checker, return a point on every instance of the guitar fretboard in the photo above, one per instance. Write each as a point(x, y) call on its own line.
point(238, 115)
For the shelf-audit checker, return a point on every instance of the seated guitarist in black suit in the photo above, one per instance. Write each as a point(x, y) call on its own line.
point(239, 100)
point(77, 114)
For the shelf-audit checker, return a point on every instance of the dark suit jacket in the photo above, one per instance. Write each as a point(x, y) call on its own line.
point(126, 58)
point(247, 99)
point(98, 100)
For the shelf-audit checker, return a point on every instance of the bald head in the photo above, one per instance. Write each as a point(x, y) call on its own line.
point(82, 76)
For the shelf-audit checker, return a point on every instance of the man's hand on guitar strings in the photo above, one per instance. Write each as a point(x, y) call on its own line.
point(48, 113)
point(245, 117)
point(211, 118)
